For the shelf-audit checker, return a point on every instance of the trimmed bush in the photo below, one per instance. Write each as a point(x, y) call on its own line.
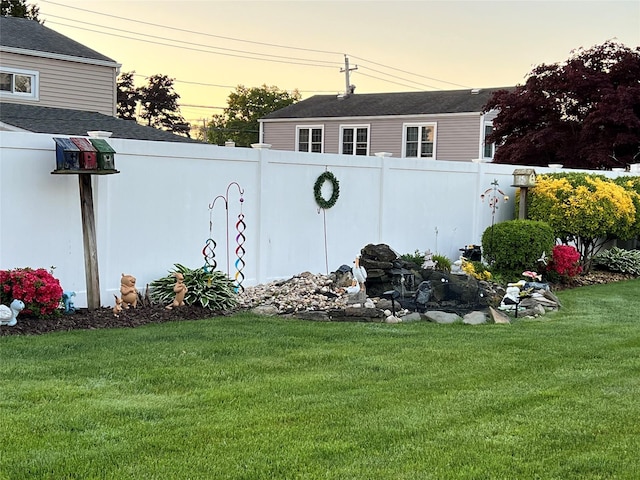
point(38, 289)
point(515, 246)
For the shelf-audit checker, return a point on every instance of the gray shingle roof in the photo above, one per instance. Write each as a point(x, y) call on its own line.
point(382, 104)
point(30, 35)
point(62, 121)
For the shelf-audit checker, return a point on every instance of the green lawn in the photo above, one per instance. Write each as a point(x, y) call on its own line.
point(256, 398)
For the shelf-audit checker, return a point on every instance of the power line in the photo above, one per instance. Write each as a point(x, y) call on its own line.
point(189, 48)
point(273, 59)
point(191, 31)
point(111, 28)
point(410, 73)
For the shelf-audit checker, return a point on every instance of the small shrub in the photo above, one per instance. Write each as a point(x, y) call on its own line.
point(619, 260)
point(443, 264)
point(565, 262)
point(416, 258)
point(515, 246)
point(38, 289)
point(211, 290)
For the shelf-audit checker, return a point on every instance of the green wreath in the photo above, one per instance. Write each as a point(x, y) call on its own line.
point(317, 190)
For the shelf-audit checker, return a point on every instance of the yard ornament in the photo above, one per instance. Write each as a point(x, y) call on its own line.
point(180, 289)
point(8, 315)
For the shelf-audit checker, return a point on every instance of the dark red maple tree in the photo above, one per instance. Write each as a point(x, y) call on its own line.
point(582, 113)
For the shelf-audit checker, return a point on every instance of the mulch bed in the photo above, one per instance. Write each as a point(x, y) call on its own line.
point(84, 319)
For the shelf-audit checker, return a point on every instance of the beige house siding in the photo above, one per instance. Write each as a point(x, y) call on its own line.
point(457, 135)
point(67, 84)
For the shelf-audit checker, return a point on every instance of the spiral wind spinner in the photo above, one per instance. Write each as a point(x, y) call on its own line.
point(240, 239)
point(209, 254)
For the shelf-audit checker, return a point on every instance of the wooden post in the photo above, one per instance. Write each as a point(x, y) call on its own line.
point(89, 241)
point(522, 210)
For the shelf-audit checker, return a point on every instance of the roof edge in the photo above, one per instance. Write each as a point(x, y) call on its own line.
point(58, 56)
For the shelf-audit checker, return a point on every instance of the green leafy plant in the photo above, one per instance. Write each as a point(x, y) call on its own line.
point(213, 290)
point(38, 289)
point(443, 264)
point(515, 246)
point(416, 258)
point(619, 260)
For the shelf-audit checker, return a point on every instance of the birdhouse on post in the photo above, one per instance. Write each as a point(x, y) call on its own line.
point(88, 153)
point(523, 178)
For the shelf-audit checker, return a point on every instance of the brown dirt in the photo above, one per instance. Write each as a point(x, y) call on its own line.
point(104, 318)
point(84, 319)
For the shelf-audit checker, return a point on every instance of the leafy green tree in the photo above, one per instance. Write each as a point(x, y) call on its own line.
point(586, 210)
point(160, 105)
point(239, 122)
point(583, 113)
point(19, 8)
point(128, 96)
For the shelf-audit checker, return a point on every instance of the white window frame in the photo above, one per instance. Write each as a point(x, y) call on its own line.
point(483, 144)
point(310, 128)
point(35, 84)
point(405, 126)
point(355, 128)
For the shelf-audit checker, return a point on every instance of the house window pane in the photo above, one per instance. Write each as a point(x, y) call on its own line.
point(362, 141)
point(5, 81)
point(23, 84)
point(488, 147)
point(412, 134)
point(426, 144)
point(303, 140)
point(316, 140)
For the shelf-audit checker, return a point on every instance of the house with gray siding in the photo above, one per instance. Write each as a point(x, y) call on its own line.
point(50, 83)
point(436, 125)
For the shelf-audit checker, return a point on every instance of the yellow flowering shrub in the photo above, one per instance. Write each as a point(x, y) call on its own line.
point(470, 269)
point(585, 209)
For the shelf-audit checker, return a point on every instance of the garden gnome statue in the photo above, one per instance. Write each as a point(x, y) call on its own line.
point(180, 289)
point(128, 291)
point(428, 263)
point(9, 315)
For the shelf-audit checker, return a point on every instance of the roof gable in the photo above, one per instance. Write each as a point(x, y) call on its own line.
point(31, 36)
point(384, 104)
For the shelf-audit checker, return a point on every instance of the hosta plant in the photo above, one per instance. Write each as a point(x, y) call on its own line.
point(619, 260)
point(38, 289)
point(212, 290)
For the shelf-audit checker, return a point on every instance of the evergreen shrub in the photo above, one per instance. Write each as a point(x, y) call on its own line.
point(515, 246)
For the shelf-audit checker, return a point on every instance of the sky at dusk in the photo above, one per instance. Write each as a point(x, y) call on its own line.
point(209, 46)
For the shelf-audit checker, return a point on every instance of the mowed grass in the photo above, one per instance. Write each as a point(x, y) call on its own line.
point(246, 397)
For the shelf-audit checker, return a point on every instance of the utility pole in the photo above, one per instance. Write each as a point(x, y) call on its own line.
point(348, 87)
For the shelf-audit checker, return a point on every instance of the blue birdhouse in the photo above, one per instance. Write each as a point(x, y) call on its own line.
point(67, 154)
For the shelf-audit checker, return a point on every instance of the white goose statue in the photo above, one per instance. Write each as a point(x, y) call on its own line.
point(359, 273)
point(8, 315)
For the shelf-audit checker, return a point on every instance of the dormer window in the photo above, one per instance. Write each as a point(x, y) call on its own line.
point(18, 83)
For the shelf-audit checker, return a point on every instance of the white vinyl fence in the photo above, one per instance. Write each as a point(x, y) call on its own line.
point(156, 211)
